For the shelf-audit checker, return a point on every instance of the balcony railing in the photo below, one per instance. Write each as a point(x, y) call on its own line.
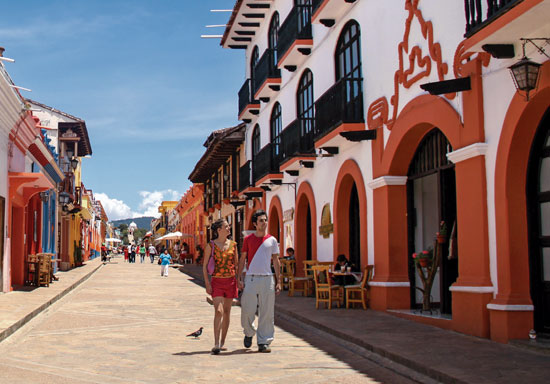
point(266, 161)
point(246, 96)
point(296, 26)
point(244, 176)
point(265, 69)
point(342, 103)
point(296, 140)
point(477, 9)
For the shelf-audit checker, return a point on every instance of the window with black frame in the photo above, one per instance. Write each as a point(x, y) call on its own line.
point(253, 62)
point(348, 69)
point(272, 39)
point(276, 125)
point(304, 12)
point(255, 141)
point(306, 111)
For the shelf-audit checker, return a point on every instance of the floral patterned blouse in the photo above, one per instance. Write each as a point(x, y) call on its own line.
point(225, 261)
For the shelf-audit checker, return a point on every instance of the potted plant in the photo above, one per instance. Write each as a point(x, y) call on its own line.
point(424, 258)
point(442, 234)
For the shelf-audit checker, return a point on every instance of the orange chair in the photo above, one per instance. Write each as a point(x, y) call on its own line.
point(359, 293)
point(325, 291)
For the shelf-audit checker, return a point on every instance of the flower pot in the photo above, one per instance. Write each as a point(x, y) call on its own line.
point(423, 262)
point(441, 239)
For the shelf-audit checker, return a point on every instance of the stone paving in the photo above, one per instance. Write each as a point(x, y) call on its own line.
point(127, 324)
point(442, 355)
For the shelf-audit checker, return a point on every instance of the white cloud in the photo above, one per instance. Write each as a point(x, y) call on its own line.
point(115, 209)
point(150, 201)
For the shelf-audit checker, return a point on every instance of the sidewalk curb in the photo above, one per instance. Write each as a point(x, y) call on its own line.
point(411, 364)
point(20, 323)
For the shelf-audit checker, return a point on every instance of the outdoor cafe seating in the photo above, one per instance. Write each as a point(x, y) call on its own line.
point(359, 293)
point(325, 291)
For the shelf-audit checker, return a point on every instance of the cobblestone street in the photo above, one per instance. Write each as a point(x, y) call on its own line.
point(127, 324)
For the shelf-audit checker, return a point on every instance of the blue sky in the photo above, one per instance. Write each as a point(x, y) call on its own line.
point(149, 88)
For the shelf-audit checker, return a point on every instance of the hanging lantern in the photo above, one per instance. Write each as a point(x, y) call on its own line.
point(525, 74)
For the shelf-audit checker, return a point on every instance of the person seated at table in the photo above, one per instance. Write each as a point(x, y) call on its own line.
point(342, 264)
point(289, 254)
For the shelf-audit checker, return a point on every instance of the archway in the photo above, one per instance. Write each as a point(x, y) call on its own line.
point(431, 199)
point(512, 311)
point(275, 222)
point(350, 215)
point(305, 222)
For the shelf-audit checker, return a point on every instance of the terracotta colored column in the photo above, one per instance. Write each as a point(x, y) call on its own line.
point(473, 289)
point(390, 286)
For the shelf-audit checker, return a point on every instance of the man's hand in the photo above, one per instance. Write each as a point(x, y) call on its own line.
point(278, 288)
point(240, 283)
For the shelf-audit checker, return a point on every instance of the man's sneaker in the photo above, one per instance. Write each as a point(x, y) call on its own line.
point(247, 341)
point(264, 348)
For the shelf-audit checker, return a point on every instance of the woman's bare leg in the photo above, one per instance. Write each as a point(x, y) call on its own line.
point(227, 303)
point(218, 315)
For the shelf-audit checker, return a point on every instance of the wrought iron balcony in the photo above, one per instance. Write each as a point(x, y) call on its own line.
point(244, 176)
point(266, 161)
point(265, 69)
point(297, 140)
point(342, 103)
point(492, 9)
point(296, 26)
point(246, 96)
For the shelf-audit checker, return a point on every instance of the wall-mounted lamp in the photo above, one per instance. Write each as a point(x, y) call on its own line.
point(225, 177)
point(64, 198)
point(74, 163)
point(526, 72)
point(216, 184)
point(44, 196)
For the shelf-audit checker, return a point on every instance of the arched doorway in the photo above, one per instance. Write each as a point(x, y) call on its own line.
point(354, 230)
point(431, 199)
point(538, 212)
point(275, 222)
point(305, 220)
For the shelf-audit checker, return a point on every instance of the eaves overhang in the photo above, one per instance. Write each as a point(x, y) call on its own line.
point(244, 22)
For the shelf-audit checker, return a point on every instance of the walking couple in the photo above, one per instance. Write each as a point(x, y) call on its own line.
point(259, 287)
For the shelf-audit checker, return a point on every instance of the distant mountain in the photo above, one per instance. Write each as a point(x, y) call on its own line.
point(141, 222)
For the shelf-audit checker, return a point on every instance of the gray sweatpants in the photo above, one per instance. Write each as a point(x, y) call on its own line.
point(259, 291)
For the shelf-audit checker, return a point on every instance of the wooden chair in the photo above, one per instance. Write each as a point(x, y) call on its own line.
point(44, 267)
point(287, 271)
point(31, 273)
point(325, 291)
point(359, 293)
point(308, 272)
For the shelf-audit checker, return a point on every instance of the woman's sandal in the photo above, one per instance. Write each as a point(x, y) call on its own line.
point(216, 350)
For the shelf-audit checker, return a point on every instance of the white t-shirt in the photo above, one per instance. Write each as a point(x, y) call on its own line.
point(260, 260)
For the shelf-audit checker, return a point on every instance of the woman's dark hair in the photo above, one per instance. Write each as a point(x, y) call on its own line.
point(215, 226)
point(341, 258)
point(290, 249)
point(258, 213)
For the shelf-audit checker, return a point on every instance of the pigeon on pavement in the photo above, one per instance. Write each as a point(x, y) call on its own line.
point(196, 334)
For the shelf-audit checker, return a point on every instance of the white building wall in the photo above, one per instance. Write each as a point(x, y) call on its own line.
point(382, 26)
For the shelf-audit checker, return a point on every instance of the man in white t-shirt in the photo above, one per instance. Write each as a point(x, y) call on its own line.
point(259, 250)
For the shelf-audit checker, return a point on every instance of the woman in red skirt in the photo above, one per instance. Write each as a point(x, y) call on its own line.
point(223, 286)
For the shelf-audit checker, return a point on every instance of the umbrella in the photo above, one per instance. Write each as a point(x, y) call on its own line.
point(114, 240)
point(172, 236)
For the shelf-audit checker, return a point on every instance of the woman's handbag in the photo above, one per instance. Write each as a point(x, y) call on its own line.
point(211, 262)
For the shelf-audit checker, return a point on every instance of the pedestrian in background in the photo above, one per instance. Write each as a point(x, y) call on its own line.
point(152, 253)
point(142, 253)
point(165, 260)
point(223, 286)
point(133, 254)
point(125, 254)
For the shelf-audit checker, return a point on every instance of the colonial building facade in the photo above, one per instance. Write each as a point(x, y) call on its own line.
point(373, 125)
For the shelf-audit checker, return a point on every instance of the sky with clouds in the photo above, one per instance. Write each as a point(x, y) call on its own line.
point(149, 88)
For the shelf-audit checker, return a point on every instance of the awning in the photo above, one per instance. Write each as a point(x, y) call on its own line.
point(161, 231)
point(23, 185)
point(85, 214)
point(41, 153)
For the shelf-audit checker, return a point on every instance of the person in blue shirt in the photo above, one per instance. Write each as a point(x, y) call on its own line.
point(165, 260)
